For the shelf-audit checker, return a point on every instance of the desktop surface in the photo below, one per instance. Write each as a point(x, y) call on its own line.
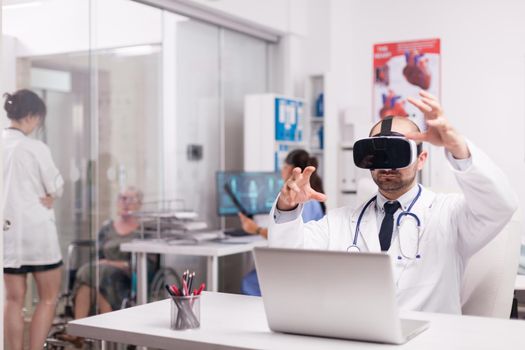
point(230, 321)
point(205, 248)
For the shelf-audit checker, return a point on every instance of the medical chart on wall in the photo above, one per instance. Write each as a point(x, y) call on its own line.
point(289, 116)
point(402, 69)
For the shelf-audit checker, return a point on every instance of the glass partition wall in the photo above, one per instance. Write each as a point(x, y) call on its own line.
point(148, 99)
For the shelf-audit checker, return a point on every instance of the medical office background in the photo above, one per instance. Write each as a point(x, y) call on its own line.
point(130, 85)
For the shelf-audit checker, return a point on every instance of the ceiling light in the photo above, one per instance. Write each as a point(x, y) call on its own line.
point(139, 50)
point(17, 4)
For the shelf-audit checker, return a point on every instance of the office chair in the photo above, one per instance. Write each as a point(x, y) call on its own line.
point(488, 282)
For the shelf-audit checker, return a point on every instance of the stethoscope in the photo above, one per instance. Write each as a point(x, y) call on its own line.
point(353, 248)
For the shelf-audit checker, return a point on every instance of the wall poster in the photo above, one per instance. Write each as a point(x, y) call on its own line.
point(401, 70)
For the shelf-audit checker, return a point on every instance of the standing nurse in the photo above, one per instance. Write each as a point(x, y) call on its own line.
point(31, 184)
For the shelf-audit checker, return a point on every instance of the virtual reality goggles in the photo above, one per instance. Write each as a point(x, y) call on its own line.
point(387, 150)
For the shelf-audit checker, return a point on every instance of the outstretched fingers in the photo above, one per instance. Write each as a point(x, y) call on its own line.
point(292, 185)
point(423, 107)
point(307, 173)
point(428, 95)
point(318, 196)
point(436, 107)
point(294, 181)
point(296, 173)
point(416, 136)
point(430, 107)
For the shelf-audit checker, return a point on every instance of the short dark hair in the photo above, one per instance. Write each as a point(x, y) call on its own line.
point(23, 103)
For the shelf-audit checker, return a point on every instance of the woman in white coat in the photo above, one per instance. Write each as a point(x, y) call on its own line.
point(31, 184)
point(428, 265)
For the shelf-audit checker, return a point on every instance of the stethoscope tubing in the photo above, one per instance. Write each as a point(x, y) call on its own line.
point(354, 247)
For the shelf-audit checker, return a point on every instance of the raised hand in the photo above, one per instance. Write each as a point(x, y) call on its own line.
point(297, 190)
point(439, 132)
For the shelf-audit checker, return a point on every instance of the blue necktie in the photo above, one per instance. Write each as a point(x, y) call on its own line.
point(387, 226)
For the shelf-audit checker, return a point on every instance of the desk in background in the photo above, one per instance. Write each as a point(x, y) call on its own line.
point(232, 321)
point(519, 297)
point(210, 249)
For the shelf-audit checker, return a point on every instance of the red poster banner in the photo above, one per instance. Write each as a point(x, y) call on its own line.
point(401, 70)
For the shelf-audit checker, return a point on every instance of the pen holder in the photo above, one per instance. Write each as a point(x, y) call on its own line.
point(185, 312)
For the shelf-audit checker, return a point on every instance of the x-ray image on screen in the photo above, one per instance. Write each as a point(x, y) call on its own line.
point(254, 192)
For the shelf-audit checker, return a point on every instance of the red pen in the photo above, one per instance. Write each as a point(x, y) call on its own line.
point(184, 288)
point(175, 290)
point(201, 288)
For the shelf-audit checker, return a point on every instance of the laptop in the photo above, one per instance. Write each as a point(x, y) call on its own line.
point(332, 294)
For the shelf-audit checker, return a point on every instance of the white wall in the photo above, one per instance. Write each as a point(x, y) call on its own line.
point(7, 73)
point(483, 68)
point(286, 16)
point(304, 49)
point(119, 23)
point(304, 25)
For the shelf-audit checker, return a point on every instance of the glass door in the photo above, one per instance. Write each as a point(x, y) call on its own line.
point(145, 99)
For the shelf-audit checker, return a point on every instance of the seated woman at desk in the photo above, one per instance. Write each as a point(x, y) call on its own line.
point(114, 265)
point(313, 210)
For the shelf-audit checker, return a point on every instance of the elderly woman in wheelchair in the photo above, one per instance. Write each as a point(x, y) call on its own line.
point(114, 266)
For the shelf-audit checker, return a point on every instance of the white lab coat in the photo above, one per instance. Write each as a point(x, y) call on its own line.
point(454, 227)
point(29, 174)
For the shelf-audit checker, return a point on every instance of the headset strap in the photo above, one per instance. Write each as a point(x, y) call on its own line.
point(386, 126)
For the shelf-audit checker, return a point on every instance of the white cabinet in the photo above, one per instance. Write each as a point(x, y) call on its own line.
point(348, 172)
point(347, 169)
point(315, 100)
point(273, 126)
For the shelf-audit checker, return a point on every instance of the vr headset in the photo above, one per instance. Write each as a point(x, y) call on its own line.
point(386, 150)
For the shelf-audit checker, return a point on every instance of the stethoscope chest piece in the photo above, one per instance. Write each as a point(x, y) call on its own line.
point(353, 249)
point(408, 235)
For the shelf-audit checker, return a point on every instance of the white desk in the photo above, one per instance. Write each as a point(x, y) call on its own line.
point(230, 321)
point(209, 249)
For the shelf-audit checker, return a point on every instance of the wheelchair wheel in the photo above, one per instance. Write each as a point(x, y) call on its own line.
point(164, 276)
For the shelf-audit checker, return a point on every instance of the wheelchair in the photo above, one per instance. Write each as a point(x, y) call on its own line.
point(55, 340)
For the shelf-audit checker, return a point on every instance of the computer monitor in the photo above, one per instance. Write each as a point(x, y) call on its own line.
point(248, 192)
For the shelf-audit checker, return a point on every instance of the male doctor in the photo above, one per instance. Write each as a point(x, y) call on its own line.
point(435, 235)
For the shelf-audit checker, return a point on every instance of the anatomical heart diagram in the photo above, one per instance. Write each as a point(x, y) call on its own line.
point(401, 70)
point(416, 71)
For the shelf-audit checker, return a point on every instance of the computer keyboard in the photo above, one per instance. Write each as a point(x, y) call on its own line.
point(235, 232)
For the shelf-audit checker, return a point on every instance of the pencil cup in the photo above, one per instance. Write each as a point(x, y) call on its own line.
point(185, 312)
